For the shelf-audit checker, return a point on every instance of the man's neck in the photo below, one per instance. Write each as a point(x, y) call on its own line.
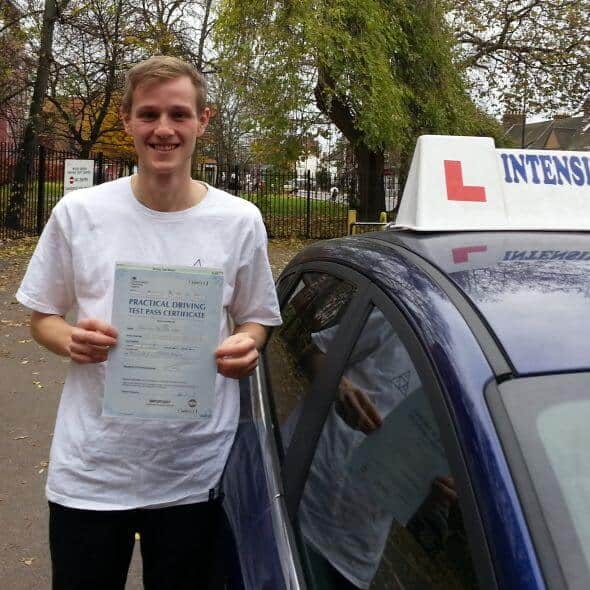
point(167, 193)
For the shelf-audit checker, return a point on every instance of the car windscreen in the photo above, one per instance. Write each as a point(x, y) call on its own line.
point(546, 434)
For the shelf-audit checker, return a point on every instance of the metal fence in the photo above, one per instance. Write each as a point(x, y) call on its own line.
point(311, 205)
point(43, 187)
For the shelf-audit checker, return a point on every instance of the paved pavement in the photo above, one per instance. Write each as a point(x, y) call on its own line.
point(30, 384)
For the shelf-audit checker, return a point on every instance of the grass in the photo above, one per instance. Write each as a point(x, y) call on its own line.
point(286, 216)
point(53, 192)
point(293, 206)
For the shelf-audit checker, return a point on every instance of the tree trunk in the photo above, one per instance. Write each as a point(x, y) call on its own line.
point(203, 36)
point(24, 165)
point(370, 175)
point(370, 163)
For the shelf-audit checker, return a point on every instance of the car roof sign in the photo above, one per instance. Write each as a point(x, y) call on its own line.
point(465, 183)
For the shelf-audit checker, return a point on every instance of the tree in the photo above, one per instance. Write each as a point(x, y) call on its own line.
point(33, 124)
point(529, 55)
point(175, 27)
point(381, 71)
point(87, 73)
point(96, 42)
point(230, 124)
point(15, 64)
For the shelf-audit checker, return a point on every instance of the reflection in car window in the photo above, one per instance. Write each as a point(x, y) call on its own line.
point(317, 304)
point(380, 509)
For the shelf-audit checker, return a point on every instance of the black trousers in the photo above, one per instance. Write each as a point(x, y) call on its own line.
point(91, 550)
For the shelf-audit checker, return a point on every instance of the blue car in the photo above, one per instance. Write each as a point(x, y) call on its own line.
point(420, 420)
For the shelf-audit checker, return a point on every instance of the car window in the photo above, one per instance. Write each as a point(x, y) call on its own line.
point(549, 416)
point(317, 303)
point(379, 508)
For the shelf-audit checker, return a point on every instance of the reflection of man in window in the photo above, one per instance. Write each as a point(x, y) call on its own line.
point(346, 513)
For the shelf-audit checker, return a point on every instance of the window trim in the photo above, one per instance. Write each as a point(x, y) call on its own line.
point(287, 544)
point(299, 455)
point(296, 473)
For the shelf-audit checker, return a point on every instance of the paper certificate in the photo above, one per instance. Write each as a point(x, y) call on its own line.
point(168, 322)
point(399, 461)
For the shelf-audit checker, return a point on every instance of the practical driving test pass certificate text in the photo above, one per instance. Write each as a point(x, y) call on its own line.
point(163, 366)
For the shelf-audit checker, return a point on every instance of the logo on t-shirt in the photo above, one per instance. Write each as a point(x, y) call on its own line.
point(197, 262)
point(402, 382)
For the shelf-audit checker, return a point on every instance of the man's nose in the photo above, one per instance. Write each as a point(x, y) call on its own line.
point(163, 128)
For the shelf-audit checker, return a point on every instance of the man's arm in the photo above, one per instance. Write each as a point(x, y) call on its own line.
point(237, 356)
point(87, 342)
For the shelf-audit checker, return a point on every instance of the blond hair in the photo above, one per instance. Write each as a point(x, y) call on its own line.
point(157, 69)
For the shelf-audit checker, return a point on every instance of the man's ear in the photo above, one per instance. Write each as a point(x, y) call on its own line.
point(125, 118)
point(204, 117)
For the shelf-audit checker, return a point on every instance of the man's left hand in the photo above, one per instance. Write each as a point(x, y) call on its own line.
point(237, 356)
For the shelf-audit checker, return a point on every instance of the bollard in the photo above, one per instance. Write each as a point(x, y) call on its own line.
point(351, 220)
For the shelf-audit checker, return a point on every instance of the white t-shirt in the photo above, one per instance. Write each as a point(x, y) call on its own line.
point(104, 463)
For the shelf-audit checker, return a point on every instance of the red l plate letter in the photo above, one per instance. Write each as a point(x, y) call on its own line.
point(462, 254)
point(456, 190)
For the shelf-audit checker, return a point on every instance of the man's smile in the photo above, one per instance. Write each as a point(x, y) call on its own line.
point(163, 147)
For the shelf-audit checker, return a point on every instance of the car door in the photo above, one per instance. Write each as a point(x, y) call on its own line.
point(371, 474)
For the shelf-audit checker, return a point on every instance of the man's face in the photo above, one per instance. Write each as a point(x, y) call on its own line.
point(165, 124)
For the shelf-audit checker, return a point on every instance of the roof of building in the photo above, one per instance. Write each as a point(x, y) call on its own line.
point(559, 133)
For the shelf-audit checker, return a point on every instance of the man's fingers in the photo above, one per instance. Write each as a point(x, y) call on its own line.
point(96, 325)
point(89, 349)
point(362, 421)
point(83, 359)
point(82, 336)
point(239, 372)
point(238, 362)
point(367, 415)
point(236, 370)
point(369, 409)
point(446, 487)
point(84, 353)
point(236, 346)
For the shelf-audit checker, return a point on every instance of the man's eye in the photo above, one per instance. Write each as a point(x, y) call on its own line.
point(180, 115)
point(147, 115)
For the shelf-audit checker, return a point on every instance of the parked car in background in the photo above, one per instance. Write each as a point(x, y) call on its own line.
point(419, 421)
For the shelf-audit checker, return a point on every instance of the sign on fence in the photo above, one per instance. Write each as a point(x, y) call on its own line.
point(78, 174)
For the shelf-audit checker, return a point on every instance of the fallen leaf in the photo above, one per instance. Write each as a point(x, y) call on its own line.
point(21, 437)
point(38, 384)
point(40, 471)
point(28, 560)
point(24, 362)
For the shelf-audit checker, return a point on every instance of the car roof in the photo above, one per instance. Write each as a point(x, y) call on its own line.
point(531, 288)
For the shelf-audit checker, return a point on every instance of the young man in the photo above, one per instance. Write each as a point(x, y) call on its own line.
point(111, 477)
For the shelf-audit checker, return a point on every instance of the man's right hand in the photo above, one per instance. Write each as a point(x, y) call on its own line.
point(91, 340)
point(88, 341)
point(355, 407)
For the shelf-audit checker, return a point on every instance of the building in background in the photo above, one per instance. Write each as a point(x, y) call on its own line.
point(563, 132)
